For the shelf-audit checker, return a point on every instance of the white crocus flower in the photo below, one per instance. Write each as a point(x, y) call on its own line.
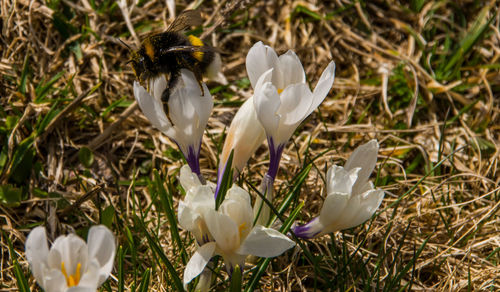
point(188, 112)
point(282, 96)
point(234, 236)
point(199, 198)
point(282, 100)
point(351, 198)
point(71, 264)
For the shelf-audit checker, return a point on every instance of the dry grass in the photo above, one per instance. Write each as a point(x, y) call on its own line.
point(438, 126)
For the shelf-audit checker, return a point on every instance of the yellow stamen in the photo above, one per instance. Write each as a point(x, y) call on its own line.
point(280, 90)
point(72, 280)
point(241, 227)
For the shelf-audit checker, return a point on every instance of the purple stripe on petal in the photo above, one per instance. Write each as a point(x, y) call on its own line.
point(193, 159)
point(308, 230)
point(220, 174)
point(274, 157)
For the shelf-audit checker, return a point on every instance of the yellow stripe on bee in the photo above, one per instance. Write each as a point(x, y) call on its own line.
point(196, 42)
point(148, 47)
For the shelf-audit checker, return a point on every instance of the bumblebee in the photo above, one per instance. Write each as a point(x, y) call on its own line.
point(170, 51)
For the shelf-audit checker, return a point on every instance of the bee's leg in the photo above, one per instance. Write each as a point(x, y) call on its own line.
point(165, 96)
point(199, 78)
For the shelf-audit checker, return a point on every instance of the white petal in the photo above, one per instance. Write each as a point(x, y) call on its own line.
point(152, 108)
point(158, 85)
point(333, 208)
point(198, 199)
point(365, 157)
point(340, 180)
point(264, 78)
point(370, 201)
point(260, 58)
point(295, 101)
point(187, 217)
point(359, 209)
point(102, 247)
point(200, 196)
point(238, 194)
point(54, 281)
point(323, 86)
point(37, 251)
point(267, 102)
point(69, 249)
point(265, 242)
point(81, 289)
point(237, 206)
point(90, 277)
point(293, 71)
point(198, 262)
point(244, 136)
point(223, 229)
point(203, 104)
point(188, 179)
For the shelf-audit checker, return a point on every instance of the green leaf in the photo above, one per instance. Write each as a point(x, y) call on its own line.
point(86, 156)
point(42, 89)
point(11, 122)
point(226, 181)
point(10, 196)
point(107, 216)
point(24, 74)
point(22, 161)
point(416, 5)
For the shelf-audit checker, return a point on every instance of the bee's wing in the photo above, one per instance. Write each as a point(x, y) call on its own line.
point(186, 19)
point(190, 49)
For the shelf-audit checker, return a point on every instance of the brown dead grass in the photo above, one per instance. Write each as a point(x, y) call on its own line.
point(368, 42)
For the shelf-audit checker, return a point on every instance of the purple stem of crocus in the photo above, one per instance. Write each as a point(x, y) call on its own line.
point(274, 157)
point(305, 231)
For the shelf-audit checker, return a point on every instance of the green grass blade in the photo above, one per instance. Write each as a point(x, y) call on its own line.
point(121, 279)
point(155, 247)
point(262, 266)
point(236, 280)
point(471, 37)
point(293, 193)
point(144, 286)
point(168, 208)
point(22, 283)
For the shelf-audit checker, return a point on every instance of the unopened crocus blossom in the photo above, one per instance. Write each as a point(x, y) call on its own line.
point(234, 236)
point(188, 112)
point(244, 136)
point(71, 264)
point(282, 100)
point(351, 198)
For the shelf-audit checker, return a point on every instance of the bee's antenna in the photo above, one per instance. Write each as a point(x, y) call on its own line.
point(123, 43)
